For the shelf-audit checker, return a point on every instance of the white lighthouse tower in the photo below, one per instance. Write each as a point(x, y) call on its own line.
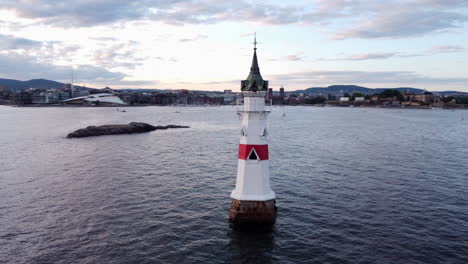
point(253, 200)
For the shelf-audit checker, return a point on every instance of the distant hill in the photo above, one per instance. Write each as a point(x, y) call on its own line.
point(452, 93)
point(333, 89)
point(34, 83)
point(342, 89)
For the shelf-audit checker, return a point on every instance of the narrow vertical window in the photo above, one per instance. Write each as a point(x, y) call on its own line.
point(243, 132)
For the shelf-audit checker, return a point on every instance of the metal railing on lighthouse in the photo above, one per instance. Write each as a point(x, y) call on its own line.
point(240, 106)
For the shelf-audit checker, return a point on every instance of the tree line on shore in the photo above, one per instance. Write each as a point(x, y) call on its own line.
point(386, 95)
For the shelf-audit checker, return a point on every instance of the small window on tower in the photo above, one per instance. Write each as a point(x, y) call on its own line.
point(265, 132)
point(243, 132)
point(253, 155)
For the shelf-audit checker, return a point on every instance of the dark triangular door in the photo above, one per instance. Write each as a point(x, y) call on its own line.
point(253, 155)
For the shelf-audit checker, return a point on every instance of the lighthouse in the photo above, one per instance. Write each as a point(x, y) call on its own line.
point(253, 200)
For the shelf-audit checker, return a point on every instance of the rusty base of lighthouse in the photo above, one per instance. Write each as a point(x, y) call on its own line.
point(253, 212)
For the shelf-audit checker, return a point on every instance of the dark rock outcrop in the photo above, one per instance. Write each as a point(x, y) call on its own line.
point(134, 127)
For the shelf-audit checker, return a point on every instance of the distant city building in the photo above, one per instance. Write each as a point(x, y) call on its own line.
point(63, 95)
point(67, 86)
point(80, 92)
point(107, 90)
point(21, 98)
point(44, 96)
point(229, 99)
point(270, 93)
point(425, 97)
point(187, 97)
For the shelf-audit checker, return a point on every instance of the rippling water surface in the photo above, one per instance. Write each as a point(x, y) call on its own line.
point(353, 186)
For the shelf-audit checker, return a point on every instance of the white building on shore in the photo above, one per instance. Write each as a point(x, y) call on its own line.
point(95, 99)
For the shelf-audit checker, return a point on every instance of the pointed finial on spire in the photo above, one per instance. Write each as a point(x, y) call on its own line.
point(255, 41)
point(254, 68)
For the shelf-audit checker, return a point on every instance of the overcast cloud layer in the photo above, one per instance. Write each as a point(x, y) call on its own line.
point(16, 65)
point(120, 58)
point(372, 19)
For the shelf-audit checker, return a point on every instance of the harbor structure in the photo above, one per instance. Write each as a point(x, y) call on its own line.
point(253, 200)
point(95, 99)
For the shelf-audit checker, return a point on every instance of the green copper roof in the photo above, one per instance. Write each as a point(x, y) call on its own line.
point(254, 81)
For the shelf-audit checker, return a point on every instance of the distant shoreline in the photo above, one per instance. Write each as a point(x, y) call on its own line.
point(307, 105)
point(400, 107)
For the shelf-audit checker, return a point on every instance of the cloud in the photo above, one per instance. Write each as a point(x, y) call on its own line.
point(138, 82)
point(291, 57)
point(195, 38)
point(405, 23)
point(387, 55)
point(348, 19)
point(222, 82)
point(97, 12)
point(121, 55)
point(375, 78)
point(369, 56)
point(326, 11)
point(359, 77)
point(43, 50)
point(104, 39)
point(51, 51)
point(130, 84)
point(170, 59)
point(18, 66)
point(212, 11)
point(79, 13)
point(294, 57)
point(9, 42)
point(445, 49)
point(396, 19)
point(251, 34)
point(373, 56)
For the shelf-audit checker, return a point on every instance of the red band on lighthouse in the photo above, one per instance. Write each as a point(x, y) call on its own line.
point(261, 150)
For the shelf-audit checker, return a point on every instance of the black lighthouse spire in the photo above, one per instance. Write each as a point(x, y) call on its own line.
point(254, 68)
point(254, 81)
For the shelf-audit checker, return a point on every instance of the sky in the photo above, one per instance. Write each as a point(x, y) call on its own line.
point(207, 44)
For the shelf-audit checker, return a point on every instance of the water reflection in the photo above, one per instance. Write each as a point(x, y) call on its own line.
point(250, 245)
